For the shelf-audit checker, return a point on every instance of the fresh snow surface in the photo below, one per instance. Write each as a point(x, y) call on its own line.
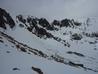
point(23, 61)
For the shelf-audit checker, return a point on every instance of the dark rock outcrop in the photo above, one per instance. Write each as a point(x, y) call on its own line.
point(56, 23)
point(16, 69)
point(20, 17)
point(44, 23)
point(65, 22)
point(93, 34)
point(75, 64)
point(76, 53)
point(37, 70)
point(76, 36)
point(5, 18)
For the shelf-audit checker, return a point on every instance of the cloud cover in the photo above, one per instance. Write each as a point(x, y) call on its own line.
point(52, 9)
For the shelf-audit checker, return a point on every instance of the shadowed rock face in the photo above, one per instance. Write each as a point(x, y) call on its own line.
point(5, 18)
point(43, 22)
point(65, 22)
point(56, 22)
point(20, 17)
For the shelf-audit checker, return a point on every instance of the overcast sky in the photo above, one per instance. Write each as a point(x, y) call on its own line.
point(52, 9)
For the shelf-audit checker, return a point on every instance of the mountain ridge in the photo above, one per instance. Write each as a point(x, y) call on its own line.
point(66, 42)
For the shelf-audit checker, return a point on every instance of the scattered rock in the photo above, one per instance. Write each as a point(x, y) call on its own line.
point(93, 42)
point(37, 70)
point(95, 48)
point(12, 46)
point(75, 64)
point(94, 34)
point(7, 51)
point(76, 36)
point(15, 69)
point(6, 45)
point(23, 49)
point(21, 25)
point(77, 23)
point(0, 37)
point(76, 53)
point(17, 46)
point(1, 41)
point(20, 18)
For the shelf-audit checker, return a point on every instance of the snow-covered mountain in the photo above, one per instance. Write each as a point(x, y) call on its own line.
point(31, 45)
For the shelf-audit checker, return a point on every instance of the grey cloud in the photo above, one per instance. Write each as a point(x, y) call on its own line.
point(52, 9)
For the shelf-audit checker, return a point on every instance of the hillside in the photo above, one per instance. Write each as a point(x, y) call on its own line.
point(35, 46)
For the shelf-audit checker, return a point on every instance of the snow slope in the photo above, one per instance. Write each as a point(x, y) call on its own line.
point(11, 58)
